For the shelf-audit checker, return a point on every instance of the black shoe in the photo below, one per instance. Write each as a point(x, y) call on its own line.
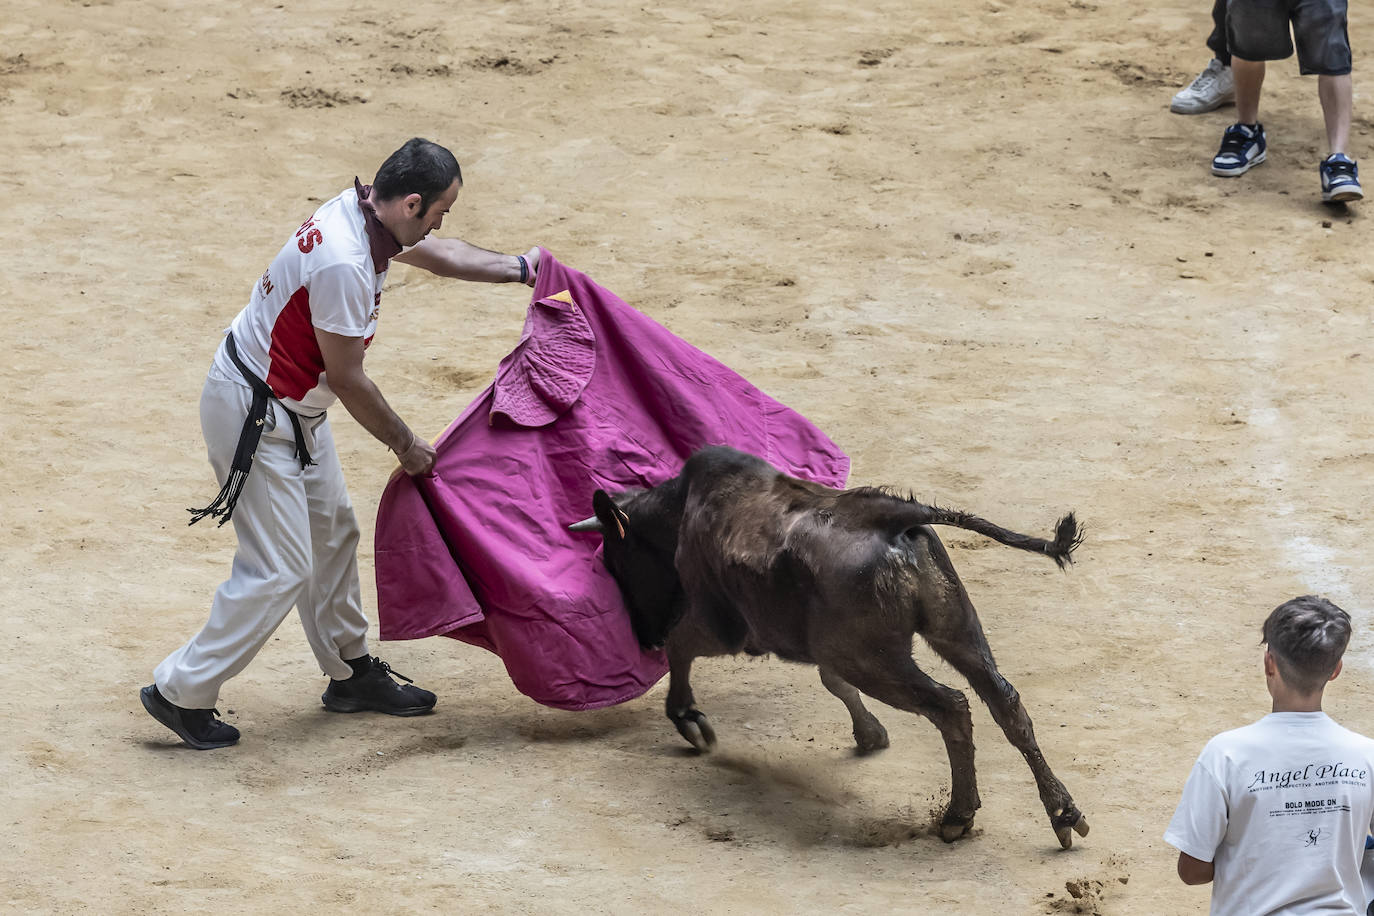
point(374, 690)
point(197, 727)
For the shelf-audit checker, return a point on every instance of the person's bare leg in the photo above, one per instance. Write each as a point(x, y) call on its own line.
point(1249, 76)
point(1335, 93)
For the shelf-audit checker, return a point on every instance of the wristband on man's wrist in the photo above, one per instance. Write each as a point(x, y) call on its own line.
point(409, 445)
point(524, 268)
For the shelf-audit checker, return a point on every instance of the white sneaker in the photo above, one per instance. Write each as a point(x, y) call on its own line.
point(1213, 88)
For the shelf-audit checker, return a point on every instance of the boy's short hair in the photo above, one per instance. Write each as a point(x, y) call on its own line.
point(1307, 637)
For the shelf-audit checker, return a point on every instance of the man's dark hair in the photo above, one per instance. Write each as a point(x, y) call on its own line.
point(1307, 637)
point(419, 167)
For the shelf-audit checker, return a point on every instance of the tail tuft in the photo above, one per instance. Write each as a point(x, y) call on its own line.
point(1068, 534)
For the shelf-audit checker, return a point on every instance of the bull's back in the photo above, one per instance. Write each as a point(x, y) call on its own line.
point(740, 512)
point(766, 559)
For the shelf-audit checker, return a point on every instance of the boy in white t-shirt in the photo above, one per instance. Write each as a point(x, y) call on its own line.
point(1275, 814)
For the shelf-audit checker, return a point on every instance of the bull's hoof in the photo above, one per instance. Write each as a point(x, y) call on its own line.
point(954, 827)
point(692, 725)
point(1066, 823)
point(870, 739)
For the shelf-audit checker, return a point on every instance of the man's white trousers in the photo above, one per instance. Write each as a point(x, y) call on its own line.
point(298, 542)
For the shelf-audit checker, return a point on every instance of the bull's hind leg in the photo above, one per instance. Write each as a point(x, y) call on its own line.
point(869, 733)
point(952, 629)
point(957, 637)
point(902, 684)
point(972, 658)
point(681, 706)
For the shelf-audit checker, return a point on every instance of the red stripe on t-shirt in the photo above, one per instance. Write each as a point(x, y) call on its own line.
point(294, 361)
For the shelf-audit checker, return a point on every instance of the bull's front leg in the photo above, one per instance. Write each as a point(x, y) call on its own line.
point(681, 706)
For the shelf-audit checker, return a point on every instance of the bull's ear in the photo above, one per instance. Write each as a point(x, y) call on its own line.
point(613, 520)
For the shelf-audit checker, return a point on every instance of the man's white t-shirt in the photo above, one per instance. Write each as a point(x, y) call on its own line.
point(1282, 808)
point(323, 277)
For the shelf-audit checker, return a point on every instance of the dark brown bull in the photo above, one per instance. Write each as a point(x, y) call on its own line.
point(732, 555)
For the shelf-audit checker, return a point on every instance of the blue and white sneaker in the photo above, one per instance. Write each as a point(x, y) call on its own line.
point(1242, 148)
point(1340, 179)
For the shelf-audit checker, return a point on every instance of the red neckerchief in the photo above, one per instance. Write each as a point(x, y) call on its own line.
point(379, 238)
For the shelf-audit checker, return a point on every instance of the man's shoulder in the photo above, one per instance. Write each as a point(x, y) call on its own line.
point(333, 238)
point(343, 214)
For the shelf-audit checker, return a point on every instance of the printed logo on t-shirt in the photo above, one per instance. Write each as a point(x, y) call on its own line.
point(1314, 774)
point(1320, 785)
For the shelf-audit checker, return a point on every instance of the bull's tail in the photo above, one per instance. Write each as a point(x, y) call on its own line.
point(1068, 534)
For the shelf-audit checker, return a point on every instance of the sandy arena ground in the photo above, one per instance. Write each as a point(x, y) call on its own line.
point(968, 240)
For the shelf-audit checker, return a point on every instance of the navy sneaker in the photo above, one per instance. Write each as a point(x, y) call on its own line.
point(197, 727)
point(1242, 148)
point(373, 689)
point(1340, 179)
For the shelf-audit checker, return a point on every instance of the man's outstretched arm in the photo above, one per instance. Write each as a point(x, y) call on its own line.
point(457, 259)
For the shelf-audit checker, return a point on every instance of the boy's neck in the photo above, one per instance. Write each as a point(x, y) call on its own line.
point(1297, 702)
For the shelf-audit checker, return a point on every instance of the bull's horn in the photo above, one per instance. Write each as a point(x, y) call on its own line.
point(587, 524)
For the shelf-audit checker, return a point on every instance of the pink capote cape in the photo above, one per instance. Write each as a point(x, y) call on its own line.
point(594, 395)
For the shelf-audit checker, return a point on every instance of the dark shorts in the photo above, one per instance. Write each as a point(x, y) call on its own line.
point(1258, 30)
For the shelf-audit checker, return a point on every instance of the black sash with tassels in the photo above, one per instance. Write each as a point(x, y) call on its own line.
point(223, 504)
